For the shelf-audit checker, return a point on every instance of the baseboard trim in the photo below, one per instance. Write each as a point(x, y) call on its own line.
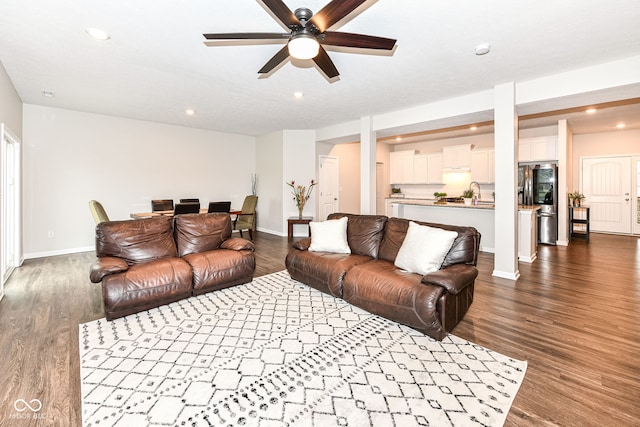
point(528, 259)
point(45, 254)
point(275, 233)
point(506, 275)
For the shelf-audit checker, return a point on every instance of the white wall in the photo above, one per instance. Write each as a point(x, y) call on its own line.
point(299, 165)
point(269, 158)
point(617, 142)
point(10, 104)
point(349, 176)
point(72, 157)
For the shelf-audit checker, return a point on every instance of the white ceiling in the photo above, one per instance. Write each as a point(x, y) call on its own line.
point(156, 64)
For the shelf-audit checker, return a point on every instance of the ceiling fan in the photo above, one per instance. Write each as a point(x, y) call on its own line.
point(308, 32)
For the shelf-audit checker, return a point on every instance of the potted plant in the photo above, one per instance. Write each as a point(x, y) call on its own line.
point(439, 197)
point(396, 192)
point(467, 195)
point(576, 198)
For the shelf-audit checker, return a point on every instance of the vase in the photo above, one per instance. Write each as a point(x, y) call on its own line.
point(300, 209)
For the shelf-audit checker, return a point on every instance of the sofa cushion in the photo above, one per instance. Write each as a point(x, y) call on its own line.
point(329, 236)
point(323, 271)
point(463, 251)
point(381, 288)
point(220, 268)
point(144, 286)
point(137, 241)
point(424, 248)
point(364, 232)
point(201, 233)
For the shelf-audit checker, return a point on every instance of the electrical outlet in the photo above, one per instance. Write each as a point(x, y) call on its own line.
point(50, 234)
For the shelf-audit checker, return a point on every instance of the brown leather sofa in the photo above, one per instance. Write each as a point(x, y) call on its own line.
point(146, 263)
point(367, 278)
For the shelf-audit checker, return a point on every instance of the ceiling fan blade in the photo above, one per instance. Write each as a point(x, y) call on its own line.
point(326, 64)
point(333, 12)
point(282, 12)
point(247, 36)
point(364, 41)
point(276, 60)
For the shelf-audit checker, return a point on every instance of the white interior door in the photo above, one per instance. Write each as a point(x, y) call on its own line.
point(328, 186)
point(606, 185)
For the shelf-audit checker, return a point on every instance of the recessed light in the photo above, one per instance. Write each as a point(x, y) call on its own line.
point(483, 49)
point(591, 110)
point(48, 94)
point(620, 125)
point(474, 128)
point(298, 94)
point(190, 112)
point(398, 138)
point(98, 34)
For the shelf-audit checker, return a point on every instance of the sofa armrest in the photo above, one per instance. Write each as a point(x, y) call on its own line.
point(238, 244)
point(302, 244)
point(453, 278)
point(104, 266)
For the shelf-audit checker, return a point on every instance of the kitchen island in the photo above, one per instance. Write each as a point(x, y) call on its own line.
point(481, 216)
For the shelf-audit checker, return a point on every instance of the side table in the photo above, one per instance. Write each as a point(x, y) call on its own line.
point(297, 220)
point(583, 222)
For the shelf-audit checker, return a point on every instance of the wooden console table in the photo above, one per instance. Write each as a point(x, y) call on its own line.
point(297, 220)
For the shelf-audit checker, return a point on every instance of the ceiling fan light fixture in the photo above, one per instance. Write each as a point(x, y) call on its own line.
point(303, 46)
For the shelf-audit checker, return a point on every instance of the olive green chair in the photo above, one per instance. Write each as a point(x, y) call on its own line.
point(98, 212)
point(247, 219)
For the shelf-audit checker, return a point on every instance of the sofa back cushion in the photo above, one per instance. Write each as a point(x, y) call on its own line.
point(136, 241)
point(364, 232)
point(464, 249)
point(201, 232)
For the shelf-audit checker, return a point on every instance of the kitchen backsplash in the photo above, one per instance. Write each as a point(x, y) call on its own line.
point(414, 191)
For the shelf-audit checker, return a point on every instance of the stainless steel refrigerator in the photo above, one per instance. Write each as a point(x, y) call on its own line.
point(538, 185)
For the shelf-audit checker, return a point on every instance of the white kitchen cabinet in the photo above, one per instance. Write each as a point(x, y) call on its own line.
point(401, 167)
point(456, 157)
point(527, 235)
point(434, 169)
point(483, 166)
point(420, 168)
point(389, 208)
point(538, 149)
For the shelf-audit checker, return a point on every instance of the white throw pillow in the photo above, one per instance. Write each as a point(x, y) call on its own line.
point(424, 248)
point(330, 236)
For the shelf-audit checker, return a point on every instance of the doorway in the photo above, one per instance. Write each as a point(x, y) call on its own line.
point(10, 205)
point(607, 186)
point(328, 186)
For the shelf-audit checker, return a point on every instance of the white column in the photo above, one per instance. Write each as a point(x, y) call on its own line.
point(506, 174)
point(367, 167)
point(565, 145)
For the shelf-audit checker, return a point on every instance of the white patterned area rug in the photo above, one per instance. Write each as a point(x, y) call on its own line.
point(275, 352)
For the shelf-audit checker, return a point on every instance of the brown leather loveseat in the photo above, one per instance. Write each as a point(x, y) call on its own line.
point(367, 277)
point(146, 263)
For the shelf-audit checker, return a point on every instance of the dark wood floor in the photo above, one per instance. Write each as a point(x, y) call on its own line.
point(574, 316)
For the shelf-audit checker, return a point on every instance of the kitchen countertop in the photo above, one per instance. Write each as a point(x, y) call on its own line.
point(432, 202)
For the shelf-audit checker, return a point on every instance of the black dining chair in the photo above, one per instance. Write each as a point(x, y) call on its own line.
point(219, 207)
point(189, 200)
point(161, 205)
point(186, 208)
